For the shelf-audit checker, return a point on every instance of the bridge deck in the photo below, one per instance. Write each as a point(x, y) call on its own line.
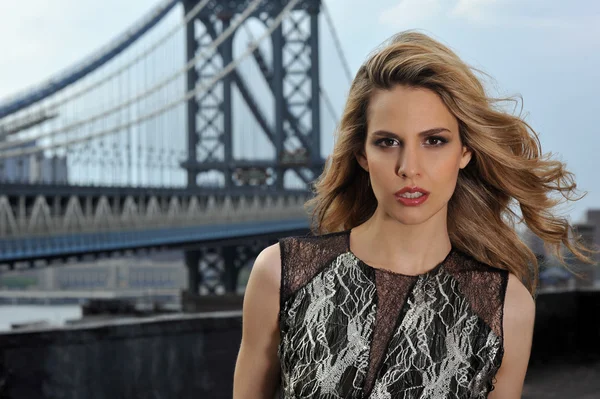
point(63, 246)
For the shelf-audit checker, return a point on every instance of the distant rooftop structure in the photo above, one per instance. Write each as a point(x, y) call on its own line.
point(33, 168)
point(590, 232)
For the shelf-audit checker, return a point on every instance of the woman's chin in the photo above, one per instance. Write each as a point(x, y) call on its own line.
point(413, 215)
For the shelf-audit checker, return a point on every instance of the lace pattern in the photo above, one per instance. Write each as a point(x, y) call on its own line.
point(350, 331)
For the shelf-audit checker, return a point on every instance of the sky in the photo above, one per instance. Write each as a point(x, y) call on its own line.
point(547, 51)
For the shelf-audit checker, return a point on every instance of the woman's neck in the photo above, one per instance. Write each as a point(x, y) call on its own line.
point(409, 249)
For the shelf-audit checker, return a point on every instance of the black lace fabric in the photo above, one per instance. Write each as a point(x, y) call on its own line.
point(392, 290)
point(303, 257)
point(352, 331)
point(483, 287)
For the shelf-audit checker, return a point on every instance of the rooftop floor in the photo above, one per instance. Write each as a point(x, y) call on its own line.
point(564, 382)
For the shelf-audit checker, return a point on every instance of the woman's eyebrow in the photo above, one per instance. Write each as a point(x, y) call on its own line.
point(425, 133)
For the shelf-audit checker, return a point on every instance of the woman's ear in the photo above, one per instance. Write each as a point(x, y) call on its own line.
point(467, 153)
point(361, 158)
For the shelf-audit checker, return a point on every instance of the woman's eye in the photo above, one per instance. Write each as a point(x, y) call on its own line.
point(387, 142)
point(435, 141)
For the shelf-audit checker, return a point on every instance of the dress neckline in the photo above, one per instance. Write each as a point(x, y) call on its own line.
point(429, 272)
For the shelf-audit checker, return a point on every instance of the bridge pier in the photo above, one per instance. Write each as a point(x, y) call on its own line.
point(231, 270)
point(215, 270)
point(192, 262)
point(214, 273)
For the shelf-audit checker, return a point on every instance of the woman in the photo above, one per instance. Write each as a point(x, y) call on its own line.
point(418, 285)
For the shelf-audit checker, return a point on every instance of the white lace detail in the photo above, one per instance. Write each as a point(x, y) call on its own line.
point(442, 347)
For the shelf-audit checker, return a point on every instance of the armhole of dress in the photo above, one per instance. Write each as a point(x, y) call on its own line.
point(505, 276)
point(504, 283)
point(282, 280)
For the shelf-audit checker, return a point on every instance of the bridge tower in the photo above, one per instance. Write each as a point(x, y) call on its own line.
point(292, 80)
point(292, 76)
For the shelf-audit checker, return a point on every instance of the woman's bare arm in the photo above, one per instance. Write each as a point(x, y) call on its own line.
point(519, 316)
point(257, 367)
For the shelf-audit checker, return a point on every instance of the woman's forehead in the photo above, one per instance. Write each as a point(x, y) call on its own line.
point(409, 110)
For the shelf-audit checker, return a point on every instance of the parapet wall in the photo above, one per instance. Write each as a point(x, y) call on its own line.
point(567, 328)
point(183, 356)
point(193, 356)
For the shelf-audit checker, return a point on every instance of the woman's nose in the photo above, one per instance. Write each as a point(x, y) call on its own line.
point(408, 163)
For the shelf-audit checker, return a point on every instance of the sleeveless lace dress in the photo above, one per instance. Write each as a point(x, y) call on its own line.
point(349, 330)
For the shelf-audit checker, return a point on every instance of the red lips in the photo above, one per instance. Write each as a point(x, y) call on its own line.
point(411, 201)
point(411, 190)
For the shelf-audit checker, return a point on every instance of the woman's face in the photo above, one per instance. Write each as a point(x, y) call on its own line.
point(412, 153)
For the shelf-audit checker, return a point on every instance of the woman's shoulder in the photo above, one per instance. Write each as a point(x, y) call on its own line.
point(303, 257)
point(270, 260)
point(483, 286)
point(313, 248)
point(497, 295)
point(481, 273)
point(267, 267)
point(339, 239)
point(464, 263)
point(293, 254)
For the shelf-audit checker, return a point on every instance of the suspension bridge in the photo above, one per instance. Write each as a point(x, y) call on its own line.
point(201, 127)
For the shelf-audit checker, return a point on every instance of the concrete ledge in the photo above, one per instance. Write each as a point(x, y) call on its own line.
point(567, 328)
point(182, 356)
point(193, 355)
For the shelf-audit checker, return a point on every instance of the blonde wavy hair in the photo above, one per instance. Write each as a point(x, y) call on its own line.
point(507, 171)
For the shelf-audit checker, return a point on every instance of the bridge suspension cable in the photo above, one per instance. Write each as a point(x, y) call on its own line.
point(58, 82)
point(329, 105)
point(337, 42)
point(73, 96)
point(224, 36)
point(197, 90)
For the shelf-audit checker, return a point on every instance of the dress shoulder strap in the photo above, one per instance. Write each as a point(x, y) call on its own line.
point(483, 286)
point(303, 257)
